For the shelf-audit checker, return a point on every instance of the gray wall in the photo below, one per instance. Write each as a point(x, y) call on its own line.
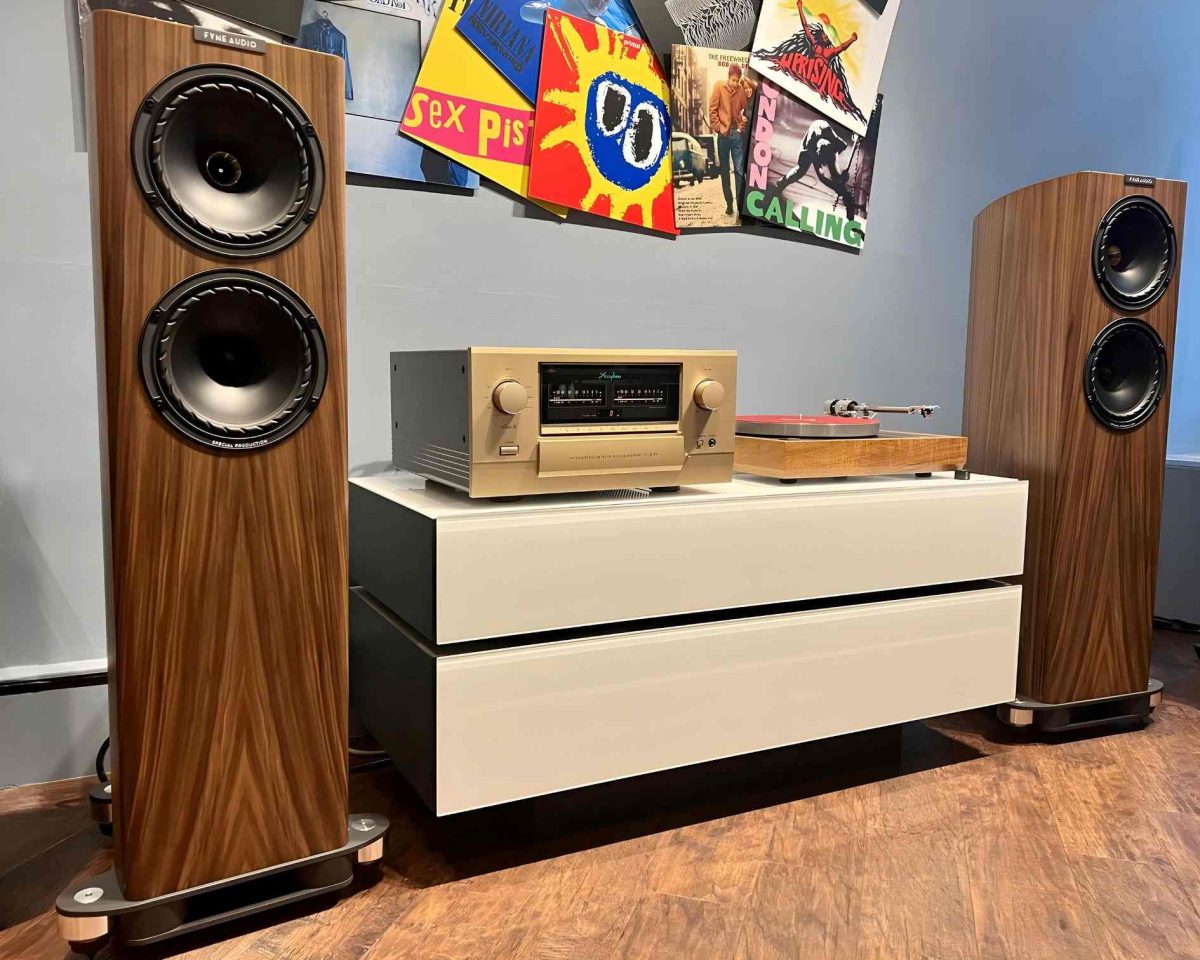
point(1179, 554)
point(982, 97)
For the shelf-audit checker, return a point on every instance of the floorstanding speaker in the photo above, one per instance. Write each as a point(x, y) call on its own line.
point(1072, 321)
point(218, 215)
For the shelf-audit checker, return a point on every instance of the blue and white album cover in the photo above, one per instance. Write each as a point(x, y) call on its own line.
point(382, 45)
point(509, 32)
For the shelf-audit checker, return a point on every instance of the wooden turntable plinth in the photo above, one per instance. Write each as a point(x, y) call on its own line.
point(888, 453)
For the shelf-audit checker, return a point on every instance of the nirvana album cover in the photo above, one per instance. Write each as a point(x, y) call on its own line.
point(463, 108)
point(829, 53)
point(722, 24)
point(602, 134)
point(712, 99)
point(509, 32)
point(807, 173)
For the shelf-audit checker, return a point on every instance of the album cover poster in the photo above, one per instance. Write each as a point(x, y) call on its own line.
point(602, 133)
point(424, 12)
point(464, 109)
point(712, 100)
point(178, 11)
point(807, 173)
point(829, 53)
point(721, 24)
point(380, 45)
point(278, 16)
point(509, 32)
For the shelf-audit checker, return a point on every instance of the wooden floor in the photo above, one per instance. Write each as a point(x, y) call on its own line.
point(949, 839)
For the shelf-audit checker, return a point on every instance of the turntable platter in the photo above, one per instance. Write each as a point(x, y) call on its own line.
point(803, 427)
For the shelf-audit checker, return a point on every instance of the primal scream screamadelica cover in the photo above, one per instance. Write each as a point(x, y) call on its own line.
point(602, 131)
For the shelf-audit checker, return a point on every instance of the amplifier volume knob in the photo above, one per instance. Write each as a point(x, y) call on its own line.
point(510, 396)
point(709, 394)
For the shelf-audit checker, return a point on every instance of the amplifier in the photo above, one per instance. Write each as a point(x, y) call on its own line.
point(506, 422)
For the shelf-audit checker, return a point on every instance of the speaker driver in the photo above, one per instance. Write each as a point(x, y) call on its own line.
point(1125, 376)
point(228, 160)
point(1134, 253)
point(233, 359)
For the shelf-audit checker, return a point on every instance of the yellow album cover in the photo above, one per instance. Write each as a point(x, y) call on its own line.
point(462, 107)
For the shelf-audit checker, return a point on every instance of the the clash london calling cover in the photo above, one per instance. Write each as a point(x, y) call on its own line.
point(806, 173)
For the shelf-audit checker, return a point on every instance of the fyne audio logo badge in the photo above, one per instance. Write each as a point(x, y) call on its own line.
point(610, 375)
point(221, 38)
point(1132, 180)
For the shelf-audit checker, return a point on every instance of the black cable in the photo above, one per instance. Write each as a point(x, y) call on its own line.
point(101, 775)
point(371, 765)
point(383, 761)
point(1179, 626)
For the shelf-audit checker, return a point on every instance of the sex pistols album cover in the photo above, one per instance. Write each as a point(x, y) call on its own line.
point(509, 32)
point(712, 99)
point(463, 108)
point(807, 173)
point(602, 133)
point(829, 53)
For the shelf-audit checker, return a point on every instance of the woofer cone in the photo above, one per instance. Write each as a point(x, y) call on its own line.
point(1134, 253)
point(233, 359)
point(1125, 375)
point(228, 160)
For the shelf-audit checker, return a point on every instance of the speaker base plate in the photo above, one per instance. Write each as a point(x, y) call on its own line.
point(1082, 714)
point(92, 908)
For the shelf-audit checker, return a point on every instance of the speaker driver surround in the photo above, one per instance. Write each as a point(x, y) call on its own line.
point(233, 359)
point(1134, 253)
point(228, 160)
point(1125, 375)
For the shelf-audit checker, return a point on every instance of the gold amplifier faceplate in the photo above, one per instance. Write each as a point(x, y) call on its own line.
point(523, 457)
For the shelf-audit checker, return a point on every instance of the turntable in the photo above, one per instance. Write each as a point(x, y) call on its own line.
point(845, 440)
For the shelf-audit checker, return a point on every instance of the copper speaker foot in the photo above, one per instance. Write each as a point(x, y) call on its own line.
point(1082, 714)
point(90, 909)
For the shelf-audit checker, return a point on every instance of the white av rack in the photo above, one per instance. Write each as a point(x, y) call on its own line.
point(506, 650)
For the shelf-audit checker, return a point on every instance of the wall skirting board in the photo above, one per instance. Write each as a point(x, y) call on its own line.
point(36, 678)
point(1179, 551)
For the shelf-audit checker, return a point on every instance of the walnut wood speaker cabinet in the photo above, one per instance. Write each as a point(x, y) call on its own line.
point(1072, 323)
point(218, 215)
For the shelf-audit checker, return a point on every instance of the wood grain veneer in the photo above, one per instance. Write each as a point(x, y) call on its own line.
point(815, 457)
point(228, 572)
point(1095, 495)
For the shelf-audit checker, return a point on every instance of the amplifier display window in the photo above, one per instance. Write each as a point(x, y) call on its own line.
point(593, 393)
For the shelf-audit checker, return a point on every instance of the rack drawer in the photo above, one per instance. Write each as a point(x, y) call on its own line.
point(459, 570)
point(485, 726)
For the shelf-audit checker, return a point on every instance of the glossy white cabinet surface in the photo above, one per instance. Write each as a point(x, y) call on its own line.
point(547, 563)
point(528, 720)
